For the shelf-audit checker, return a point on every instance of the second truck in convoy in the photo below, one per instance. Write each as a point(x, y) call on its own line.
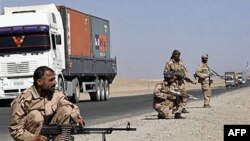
point(231, 79)
point(74, 44)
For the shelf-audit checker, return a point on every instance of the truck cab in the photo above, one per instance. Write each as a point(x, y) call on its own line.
point(29, 37)
point(231, 79)
point(49, 35)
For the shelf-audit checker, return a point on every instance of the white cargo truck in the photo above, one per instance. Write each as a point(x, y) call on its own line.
point(74, 44)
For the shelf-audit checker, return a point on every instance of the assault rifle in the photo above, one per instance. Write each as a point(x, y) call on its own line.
point(181, 78)
point(214, 72)
point(179, 94)
point(65, 130)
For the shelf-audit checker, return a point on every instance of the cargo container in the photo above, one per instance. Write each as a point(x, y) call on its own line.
point(74, 44)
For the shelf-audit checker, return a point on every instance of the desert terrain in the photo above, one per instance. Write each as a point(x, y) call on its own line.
point(127, 87)
point(201, 124)
point(123, 86)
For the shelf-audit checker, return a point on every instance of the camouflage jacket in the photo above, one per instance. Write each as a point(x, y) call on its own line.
point(162, 93)
point(177, 68)
point(203, 73)
point(30, 100)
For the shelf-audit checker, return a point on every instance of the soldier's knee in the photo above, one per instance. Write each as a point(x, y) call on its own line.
point(65, 111)
point(36, 117)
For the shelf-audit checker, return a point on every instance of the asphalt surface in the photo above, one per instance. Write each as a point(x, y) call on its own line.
point(113, 109)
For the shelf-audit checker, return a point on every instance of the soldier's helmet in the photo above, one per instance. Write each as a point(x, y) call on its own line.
point(204, 56)
point(167, 75)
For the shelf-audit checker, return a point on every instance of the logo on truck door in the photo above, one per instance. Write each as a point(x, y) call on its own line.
point(100, 42)
point(18, 40)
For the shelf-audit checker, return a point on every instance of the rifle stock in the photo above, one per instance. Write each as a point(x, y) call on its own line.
point(53, 130)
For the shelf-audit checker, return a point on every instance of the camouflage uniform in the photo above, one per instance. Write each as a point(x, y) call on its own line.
point(179, 69)
point(203, 74)
point(30, 112)
point(163, 101)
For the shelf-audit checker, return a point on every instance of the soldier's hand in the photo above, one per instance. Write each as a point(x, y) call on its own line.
point(170, 97)
point(78, 122)
point(39, 138)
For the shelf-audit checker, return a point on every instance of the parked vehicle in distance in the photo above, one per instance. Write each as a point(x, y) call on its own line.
point(231, 79)
point(243, 81)
point(240, 77)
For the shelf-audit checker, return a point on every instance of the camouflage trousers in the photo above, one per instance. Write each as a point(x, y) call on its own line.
point(206, 89)
point(183, 90)
point(168, 109)
point(35, 120)
point(184, 100)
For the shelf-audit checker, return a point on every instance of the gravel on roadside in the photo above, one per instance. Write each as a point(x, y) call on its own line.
point(201, 124)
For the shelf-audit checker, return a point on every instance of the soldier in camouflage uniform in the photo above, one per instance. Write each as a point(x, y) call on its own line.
point(164, 101)
point(176, 66)
point(204, 77)
point(41, 104)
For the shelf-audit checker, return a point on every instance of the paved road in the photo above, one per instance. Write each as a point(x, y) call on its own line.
point(104, 111)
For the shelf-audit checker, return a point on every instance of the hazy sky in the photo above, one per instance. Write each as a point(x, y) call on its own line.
point(145, 32)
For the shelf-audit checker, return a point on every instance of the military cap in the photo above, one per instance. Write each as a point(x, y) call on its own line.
point(204, 56)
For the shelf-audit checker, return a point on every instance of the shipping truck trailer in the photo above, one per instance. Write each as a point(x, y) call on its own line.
point(74, 44)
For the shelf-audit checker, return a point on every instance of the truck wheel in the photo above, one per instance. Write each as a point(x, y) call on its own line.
point(106, 90)
point(95, 96)
point(76, 94)
point(102, 91)
point(60, 84)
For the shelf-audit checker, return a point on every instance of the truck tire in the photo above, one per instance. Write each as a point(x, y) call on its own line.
point(76, 94)
point(106, 90)
point(61, 84)
point(95, 96)
point(102, 90)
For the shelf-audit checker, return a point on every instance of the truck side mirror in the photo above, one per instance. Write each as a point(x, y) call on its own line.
point(58, 40)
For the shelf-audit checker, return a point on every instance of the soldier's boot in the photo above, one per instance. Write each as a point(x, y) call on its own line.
point(178, 116)
point(184, 110)
point(207, 106)
point(161, 115)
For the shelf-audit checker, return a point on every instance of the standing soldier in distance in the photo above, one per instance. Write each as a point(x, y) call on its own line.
point(163, 101)
point(176, 66)
point(203, 73)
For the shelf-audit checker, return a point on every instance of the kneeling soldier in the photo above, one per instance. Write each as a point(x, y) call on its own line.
point(165, 100)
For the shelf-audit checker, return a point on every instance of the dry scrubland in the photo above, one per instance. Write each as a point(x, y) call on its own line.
point(124, 86)
point(201, 124)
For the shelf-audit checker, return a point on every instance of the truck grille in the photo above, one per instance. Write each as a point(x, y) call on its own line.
point(16, 68)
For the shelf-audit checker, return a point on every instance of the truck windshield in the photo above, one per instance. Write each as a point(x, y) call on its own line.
point(229, 78)
point(24, 39)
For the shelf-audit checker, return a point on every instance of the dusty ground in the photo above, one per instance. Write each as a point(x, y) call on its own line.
point(201, 124)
